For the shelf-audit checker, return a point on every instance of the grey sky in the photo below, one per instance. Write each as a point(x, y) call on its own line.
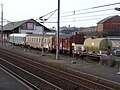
point(15, 10)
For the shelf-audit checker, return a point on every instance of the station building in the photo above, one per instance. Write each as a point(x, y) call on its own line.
point(29, 26)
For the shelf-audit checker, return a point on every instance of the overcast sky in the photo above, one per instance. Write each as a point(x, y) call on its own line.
point(16, 10)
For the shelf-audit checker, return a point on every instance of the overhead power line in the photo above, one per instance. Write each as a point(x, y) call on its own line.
point(106, 5)
point(87, 9)
point(84, 13)
point(92, 8)
point(88, 12)
point(75, 13)
point(52, 12)
point(88, 16)
point(81, 20)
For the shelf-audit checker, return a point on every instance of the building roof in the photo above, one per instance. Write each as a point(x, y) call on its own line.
point(107, 18)
point(13, 25)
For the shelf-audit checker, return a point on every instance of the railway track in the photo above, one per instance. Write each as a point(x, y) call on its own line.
point(57, 77)
point(35, 82)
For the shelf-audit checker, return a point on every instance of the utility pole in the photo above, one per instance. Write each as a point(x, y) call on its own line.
point(43, 31)
point(57, 44)
point(2, 23)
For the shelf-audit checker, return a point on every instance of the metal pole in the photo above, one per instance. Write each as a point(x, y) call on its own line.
point(13, 41)
point(57, 44)
point(2, 23)
point(43, 39)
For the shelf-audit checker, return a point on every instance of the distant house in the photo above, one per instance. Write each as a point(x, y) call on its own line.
point(111, 23)
point(87, 31)
point(68, 30)
point(29, 26)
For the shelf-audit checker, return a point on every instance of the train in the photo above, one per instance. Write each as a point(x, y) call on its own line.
point(48, 42)
point(75, 44)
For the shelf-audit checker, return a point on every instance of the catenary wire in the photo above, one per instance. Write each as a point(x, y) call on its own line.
point(89, 16)
point(92, 8)
point(84, 13)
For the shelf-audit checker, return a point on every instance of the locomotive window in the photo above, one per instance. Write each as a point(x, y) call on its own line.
point(44, 40)
point(39, 40)
point(32, 40)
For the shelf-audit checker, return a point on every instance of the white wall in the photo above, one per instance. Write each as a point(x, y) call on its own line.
point(37, 30)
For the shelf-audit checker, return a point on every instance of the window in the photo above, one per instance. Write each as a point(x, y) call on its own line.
point(30, 26)
point(39, 40)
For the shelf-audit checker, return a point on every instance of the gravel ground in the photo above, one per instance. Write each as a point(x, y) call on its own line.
point(109, 73)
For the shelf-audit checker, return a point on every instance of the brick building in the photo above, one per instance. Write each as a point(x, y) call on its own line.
point(109, 25)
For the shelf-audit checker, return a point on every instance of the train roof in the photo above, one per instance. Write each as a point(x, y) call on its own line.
point(65, 35)
point(18, 35)
point(39, 35)
point(69, 35)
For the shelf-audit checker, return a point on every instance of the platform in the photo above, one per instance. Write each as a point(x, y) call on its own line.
point(9, 82)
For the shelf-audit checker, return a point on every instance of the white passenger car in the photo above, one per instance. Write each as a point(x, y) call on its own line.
point(17, 38)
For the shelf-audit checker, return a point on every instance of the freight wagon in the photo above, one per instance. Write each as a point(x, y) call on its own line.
point(116, 44)
point(93, 48)
point(67, 42)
